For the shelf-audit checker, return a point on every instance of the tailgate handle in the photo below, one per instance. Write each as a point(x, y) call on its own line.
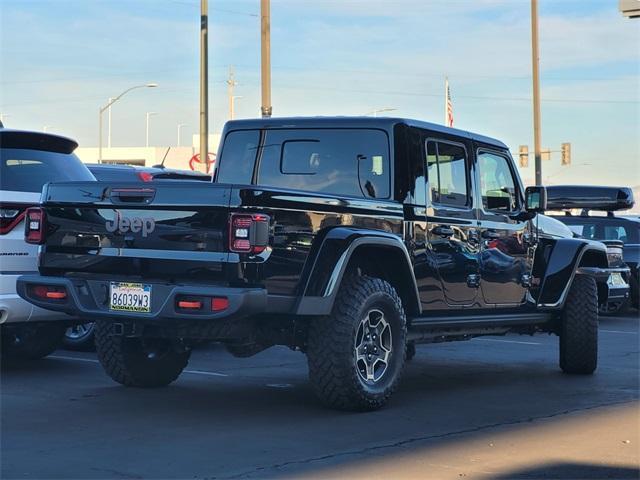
point(132, 195)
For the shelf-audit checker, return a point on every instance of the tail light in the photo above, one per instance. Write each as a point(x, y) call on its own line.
point(49, 292)
point(145, 176)
point(248, 233)
point(10, 216)
point(34, 226)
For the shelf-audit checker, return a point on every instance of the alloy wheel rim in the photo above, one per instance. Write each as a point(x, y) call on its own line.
point(373, 347)
point(79, 331)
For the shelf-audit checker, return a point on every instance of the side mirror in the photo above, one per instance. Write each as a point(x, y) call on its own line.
point(535, 199)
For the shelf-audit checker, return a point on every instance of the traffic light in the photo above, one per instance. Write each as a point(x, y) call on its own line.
point(566, 154)
point(523, 151)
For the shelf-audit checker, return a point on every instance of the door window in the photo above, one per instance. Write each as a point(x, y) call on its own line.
point(447, 174)
point(497, 185)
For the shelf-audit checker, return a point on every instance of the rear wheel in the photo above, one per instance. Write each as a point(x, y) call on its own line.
point(31, 342)
point(139, 361)
point(356, 356)
point(579, 328)
point(80, 337)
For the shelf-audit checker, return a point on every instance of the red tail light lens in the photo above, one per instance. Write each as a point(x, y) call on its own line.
point(145, 176)
point(10, 217)
point(248, 233)
point(34, 226)
point(219, 303)
point(190, 304)
point(49, 292)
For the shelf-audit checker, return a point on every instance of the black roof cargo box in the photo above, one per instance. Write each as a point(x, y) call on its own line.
point(608, 199)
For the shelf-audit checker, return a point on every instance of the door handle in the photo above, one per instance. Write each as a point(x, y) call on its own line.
point(442, 231)
point(490, 234)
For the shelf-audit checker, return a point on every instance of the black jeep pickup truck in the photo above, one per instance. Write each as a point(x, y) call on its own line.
point(350, 239)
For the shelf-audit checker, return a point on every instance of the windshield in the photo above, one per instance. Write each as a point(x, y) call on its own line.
point(25, 170)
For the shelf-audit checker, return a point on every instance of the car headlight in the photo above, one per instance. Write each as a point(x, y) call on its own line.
point(614, 256)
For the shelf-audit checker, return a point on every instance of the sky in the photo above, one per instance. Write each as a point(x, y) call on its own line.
point(60, 60)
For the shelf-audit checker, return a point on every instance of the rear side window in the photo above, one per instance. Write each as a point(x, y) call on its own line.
point(238, 157)
point(447, 173)
point(25, 170)
point(352, 162)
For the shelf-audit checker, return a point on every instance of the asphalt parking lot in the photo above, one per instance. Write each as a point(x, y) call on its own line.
point(493, 407)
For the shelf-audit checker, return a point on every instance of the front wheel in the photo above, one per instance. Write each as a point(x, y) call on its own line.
point(579, 328)
point(139, 361)
point(356, 355)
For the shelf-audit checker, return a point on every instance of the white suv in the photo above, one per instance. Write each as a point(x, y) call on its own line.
point(28, 160)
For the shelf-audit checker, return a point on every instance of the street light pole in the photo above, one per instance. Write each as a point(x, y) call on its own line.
point(535, 59)
point(204, 85)
point(109, 125)
point(231, 83)
point(149, 114)
point(180, 125)
point(111, 102)
point(232, 106)
point(265, 49)
point(380, 110)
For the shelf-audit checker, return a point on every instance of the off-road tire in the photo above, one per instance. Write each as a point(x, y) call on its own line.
point(31, 342)
point(127, 360)
point(331, 355)
point(579, 328)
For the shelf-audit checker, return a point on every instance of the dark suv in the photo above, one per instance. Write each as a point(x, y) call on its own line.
point(601, 217)
point(350, 239)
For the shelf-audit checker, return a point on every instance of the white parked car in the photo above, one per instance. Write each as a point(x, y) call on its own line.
point(28, 160)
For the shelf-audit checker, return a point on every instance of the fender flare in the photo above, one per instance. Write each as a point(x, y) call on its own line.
point(563, 263)
point(338, 246)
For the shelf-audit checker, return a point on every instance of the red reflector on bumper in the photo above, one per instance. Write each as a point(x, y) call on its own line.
point(49, 292)
point(219, 303)
point(195, 305)
point(57, 295)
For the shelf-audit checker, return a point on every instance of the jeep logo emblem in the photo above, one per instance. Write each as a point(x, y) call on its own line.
point(134, 225)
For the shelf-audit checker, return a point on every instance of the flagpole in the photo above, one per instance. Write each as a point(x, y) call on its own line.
point(446, 99)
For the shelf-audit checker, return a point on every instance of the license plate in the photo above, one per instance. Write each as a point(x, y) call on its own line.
point(616, 280)
point(130, 297)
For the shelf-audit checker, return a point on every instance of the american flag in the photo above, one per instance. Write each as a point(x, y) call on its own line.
point(448, 114)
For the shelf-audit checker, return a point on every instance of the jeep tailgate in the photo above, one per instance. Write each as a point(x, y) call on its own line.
point(174, 230)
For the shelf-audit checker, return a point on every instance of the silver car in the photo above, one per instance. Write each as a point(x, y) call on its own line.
point(28, 160)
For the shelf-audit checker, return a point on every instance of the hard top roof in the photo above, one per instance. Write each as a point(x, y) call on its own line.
point(386, 123)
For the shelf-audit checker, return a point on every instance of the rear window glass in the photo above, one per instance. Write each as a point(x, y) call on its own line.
point(352, 162)
point(24, 170)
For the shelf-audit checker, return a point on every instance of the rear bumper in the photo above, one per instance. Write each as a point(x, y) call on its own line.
point(14, 309)
point(90, 299)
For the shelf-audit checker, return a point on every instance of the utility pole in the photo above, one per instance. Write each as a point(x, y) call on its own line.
point(231, 82)
point(204, 83)
point(180, 125)
point(265, 28)
point(535, 58)
point(109, 124)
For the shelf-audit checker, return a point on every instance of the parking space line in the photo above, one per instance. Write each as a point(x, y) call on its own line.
point(618, 331)
point(507, 341)
point(203, 372)
point(91, 360)
point(77, 359)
